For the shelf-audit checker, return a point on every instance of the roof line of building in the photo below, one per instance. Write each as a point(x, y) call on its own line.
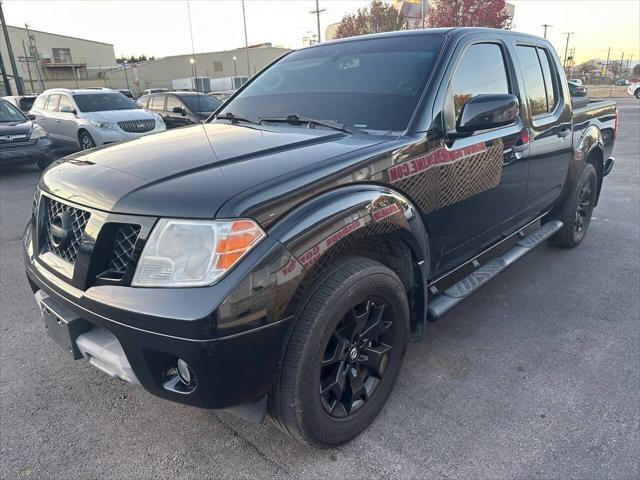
point(60, 35)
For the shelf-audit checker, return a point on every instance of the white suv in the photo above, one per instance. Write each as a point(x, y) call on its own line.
point(92, 117)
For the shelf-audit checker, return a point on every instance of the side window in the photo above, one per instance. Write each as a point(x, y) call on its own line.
point(173, 102)
point(549, 73)
point(533, 80)
point(40, 102)
point(52, 104)
point(481, 71)
point(65, 102)
point(157, 103)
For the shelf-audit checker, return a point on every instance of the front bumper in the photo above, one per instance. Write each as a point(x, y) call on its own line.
point(232, 343)
point(40, 149)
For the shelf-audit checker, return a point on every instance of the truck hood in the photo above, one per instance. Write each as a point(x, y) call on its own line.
point(190, 172)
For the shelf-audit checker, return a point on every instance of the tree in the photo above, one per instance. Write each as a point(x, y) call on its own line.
point(636, 70)
point(377, 17)
point(134, 59)
point(468, 13)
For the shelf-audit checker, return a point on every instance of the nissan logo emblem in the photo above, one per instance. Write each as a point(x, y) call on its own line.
point(60, 229)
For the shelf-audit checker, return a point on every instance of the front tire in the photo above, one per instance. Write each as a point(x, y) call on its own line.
point(86, 141)
point(576, 212)
point(344, 355)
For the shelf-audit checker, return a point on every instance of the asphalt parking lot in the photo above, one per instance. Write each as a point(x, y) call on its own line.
point(536, 376)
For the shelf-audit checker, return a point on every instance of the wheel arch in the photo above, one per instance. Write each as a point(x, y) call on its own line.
point(365, 220)
point(590, 149)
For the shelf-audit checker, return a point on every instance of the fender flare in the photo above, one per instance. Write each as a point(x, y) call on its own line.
point(590, 141)
point(314, 230)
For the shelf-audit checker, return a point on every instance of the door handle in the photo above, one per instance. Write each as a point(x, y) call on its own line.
point(564, 132)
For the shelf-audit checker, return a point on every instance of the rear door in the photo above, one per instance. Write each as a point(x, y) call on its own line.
point(67, 121)
point(550, 119)
point(48, 119)
point(483, 188)
point(157, 104)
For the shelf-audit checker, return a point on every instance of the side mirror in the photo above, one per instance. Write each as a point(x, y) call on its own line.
point(484, 112)
point(178, 110)
point(67, 109)
point(31, 116)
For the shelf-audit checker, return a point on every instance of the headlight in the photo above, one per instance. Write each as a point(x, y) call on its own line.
point(159, 121)
point(103, 125)
point(193, 253)
point(38, 132)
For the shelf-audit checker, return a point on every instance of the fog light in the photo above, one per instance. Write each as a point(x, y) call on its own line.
point(184, 372)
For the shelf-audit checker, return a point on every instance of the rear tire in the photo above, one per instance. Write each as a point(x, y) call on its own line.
point(576, 212)
point(344, 355)
point(638, 93)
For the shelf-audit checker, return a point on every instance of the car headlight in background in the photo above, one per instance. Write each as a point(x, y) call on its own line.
point(159, 122)
point(193, 253)
point(38, 132)
point(103, 125)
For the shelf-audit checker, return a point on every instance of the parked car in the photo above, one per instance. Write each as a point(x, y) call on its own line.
point(23, 102)
point(127, 93)
point(576, 81)
point(92, 117)
point(577, 90)
point(622, 82)
point(21, 140)
point(178, 109)
point(222, 95)
point(634, 90)
point(279, 257)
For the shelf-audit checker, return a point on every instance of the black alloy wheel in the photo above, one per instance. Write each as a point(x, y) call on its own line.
point(356, 357)
point(584, 208)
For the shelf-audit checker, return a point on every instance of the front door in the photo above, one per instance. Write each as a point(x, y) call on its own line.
point(482, 183)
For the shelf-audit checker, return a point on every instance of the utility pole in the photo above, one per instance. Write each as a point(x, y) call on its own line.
point(566, 48)
point(12, 60)
point(422, 11)
point(606, 67)
point(317, 13)
point(246, 41)
point(546, 25)
point(35, 56)
point(27, 60)
point(621, 66)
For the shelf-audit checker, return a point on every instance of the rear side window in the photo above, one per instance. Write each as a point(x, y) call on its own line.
point(52, 104)
point(173, 102)
point(40, 102)
point(481, 71)
point(534, 80)
point(549, 74)
point(156, 102)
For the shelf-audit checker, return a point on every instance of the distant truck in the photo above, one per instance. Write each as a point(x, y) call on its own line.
point(227, 83)
point(196, 84)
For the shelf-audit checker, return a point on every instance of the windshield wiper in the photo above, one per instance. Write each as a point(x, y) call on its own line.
point(296, 119)
point(234, 118)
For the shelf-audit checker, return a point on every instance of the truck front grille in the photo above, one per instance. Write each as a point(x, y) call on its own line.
point(123, 246)
point(137, 126)
point(68, 250)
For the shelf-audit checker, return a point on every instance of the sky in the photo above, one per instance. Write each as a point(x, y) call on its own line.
point(160, 27)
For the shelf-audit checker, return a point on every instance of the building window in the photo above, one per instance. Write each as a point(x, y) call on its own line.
point(61, 55)
point(217, 66)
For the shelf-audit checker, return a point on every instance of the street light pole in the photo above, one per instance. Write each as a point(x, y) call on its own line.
point(126, 77)
point(246, 41)
point(12, 60)
point(235, 66)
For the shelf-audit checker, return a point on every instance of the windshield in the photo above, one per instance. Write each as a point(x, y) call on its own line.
point(102, 102)
point(9, 113)
point(201, 103)
point(368, 84)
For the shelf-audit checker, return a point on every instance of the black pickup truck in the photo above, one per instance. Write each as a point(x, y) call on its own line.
point(278, 258)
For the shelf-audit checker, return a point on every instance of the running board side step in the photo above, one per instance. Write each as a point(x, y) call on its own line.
point(453, 295)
